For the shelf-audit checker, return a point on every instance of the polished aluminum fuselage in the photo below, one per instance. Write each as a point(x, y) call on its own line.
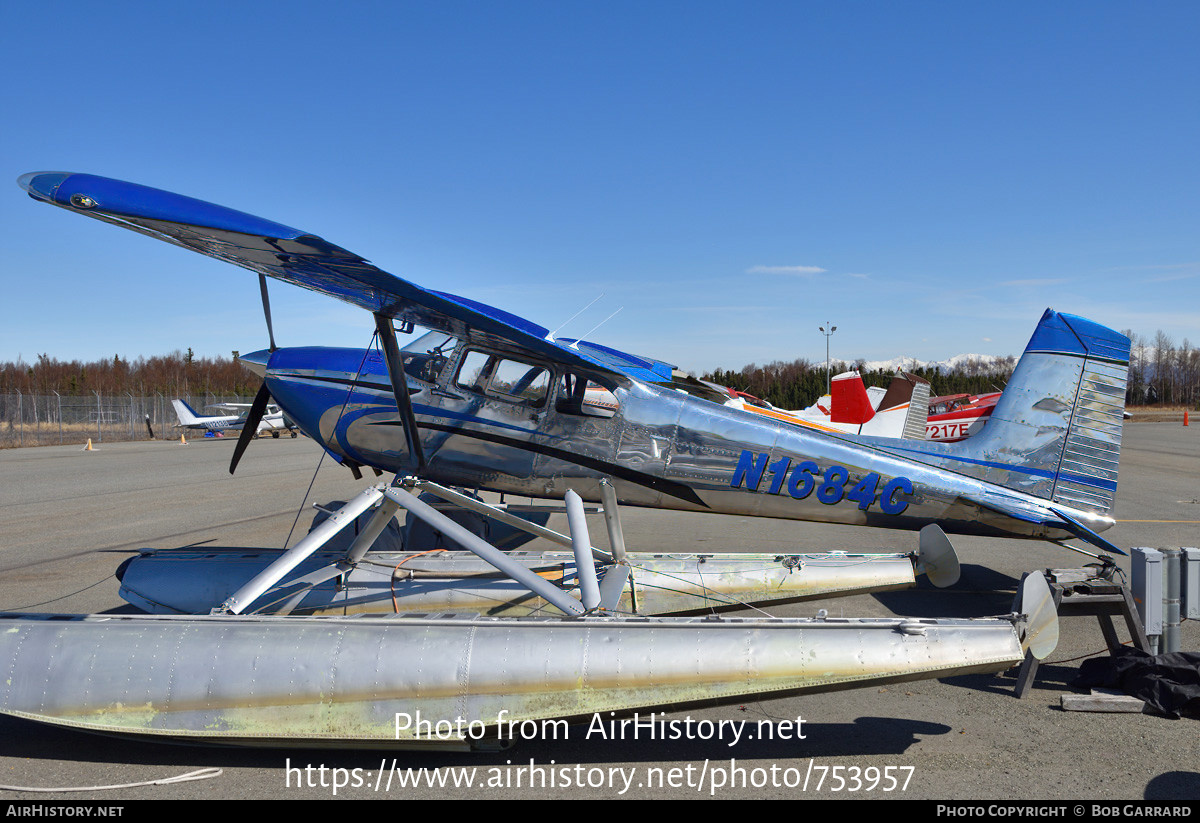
point(666, 449)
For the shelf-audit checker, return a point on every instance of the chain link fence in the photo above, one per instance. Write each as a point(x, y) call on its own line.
point(57, 419)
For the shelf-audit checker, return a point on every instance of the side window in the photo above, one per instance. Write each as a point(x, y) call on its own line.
point(509, 380)
point(474, 372)
point(520, 383)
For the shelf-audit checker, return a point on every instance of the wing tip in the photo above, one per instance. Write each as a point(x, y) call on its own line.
point(42, 185)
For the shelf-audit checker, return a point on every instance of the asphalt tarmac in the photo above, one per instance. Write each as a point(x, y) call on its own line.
point(68, 517)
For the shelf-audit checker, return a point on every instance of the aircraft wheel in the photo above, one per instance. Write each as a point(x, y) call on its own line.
point(274, 435)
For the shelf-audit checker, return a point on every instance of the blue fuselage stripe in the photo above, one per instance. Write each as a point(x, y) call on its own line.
point(1083, 480)
point(369, 388)
point(430, 411)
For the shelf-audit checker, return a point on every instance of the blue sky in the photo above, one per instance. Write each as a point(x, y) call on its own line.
point(928, 176)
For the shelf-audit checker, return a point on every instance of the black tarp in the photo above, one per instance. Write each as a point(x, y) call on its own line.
point(1168, 683)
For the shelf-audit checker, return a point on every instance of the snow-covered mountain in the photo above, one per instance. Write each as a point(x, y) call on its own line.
point(959, 362)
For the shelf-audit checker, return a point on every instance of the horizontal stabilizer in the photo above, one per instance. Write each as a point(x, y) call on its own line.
point(1047, 516)
point(1015, 508)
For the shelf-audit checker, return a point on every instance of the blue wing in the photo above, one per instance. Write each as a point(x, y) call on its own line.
point(307, 260)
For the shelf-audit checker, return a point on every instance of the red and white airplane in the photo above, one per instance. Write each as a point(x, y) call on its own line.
point(958, 416)
point(852, 408)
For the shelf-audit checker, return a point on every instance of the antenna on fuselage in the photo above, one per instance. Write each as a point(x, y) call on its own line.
point(575, 345)
point(550, 336)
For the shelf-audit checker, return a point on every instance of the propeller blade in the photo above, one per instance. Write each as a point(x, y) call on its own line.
point(266, 301)
point(257, 409)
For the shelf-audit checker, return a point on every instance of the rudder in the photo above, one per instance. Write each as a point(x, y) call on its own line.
point(187, 415)
point(1056, 430)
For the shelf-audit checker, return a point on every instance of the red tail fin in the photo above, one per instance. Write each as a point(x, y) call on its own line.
point(849, 402)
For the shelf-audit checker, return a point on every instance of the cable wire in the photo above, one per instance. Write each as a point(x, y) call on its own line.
point(199, 774)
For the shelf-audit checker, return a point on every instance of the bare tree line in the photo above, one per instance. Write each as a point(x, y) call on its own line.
point(176, 374)
point(1160, 373)
point(799, 383)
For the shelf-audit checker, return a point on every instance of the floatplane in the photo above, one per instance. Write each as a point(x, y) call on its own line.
point(494, 402)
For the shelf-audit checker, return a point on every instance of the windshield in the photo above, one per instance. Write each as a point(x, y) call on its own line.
point(425, 357)
point(431, 342)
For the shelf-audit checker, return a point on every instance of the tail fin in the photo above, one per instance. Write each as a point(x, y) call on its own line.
point(848, 400)
point(1056, 430)
point(187, 415)
point(903, 409)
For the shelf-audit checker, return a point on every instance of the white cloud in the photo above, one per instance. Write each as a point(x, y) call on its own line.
point(1169, 278)
point(1152, 267)
point(1036, 282)
point(802, 271)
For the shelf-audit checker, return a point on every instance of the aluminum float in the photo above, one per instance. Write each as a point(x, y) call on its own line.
point(310, 578)
point(333, 681)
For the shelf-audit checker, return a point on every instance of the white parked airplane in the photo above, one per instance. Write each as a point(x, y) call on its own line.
point(273, 421)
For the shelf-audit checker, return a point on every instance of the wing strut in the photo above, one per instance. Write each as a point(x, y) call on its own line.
point(395, 367)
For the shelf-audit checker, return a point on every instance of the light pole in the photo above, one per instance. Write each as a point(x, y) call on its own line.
point(827, 334)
